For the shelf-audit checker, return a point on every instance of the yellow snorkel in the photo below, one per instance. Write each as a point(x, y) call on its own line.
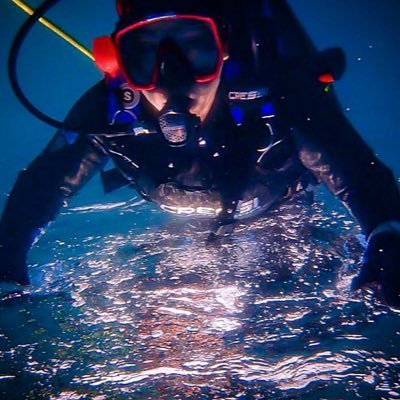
point(37, 15)
point(55, 29)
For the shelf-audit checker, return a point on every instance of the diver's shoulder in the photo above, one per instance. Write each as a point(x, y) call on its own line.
point(89, 112)
point(95, 95)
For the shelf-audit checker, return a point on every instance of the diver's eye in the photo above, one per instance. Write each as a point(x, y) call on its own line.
point(146, 42)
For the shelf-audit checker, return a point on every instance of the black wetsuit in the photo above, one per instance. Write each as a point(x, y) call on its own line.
point(273, 129)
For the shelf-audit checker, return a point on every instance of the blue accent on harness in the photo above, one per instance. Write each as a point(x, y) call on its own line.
point(237, 114)
point(70, 137)
point(117, 114)
point(124, 117)
point(114, 106)
point(267, 110)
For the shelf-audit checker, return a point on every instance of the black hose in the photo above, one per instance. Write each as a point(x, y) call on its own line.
point(12, 74)
point(12, 64)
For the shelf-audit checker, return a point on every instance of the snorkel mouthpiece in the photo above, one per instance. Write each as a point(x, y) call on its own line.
point(177, 124)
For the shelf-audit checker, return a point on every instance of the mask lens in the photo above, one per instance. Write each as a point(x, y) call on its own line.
point(143, 46)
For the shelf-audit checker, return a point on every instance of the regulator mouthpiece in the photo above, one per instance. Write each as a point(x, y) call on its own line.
point(177, 126)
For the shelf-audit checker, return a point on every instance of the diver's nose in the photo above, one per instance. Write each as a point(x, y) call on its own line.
point(175, 71)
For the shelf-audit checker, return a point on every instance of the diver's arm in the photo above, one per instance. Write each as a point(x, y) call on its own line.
point(330, 147)
point(327, 143)
point(67, 163)
point(38, 194)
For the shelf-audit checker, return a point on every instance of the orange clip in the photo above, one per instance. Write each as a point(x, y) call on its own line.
point(326, 78)
point(105, 55)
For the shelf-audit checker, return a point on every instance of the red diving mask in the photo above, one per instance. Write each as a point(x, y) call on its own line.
point(139, 49)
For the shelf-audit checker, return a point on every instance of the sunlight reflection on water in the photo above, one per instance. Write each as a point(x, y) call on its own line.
point(158, 314)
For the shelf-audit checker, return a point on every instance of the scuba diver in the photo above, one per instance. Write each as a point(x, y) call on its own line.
point(215, 109)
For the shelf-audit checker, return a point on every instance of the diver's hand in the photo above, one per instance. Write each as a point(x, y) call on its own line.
point(13, 278)
point(14, 273)
point(13, 268)
point(221, 228)
point(381, 265)
point(9, 288)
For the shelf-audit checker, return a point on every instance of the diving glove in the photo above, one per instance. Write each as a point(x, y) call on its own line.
point(221, 228)
point(13, 272)
point(381, 263)
point(223, 225)
point(13, 276)
point(13, 266)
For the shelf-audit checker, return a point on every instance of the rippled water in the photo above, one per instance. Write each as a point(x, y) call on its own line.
point(156, 313)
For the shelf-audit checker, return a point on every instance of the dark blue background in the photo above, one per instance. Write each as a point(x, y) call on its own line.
point(54, 75)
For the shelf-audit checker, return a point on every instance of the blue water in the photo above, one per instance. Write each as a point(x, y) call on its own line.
point(128, 303)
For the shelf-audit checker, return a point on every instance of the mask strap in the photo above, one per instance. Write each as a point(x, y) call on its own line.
point(105, 56)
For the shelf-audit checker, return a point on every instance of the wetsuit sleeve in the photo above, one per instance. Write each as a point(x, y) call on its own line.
point(64, 167)
point(330, 147)
point(327, 143)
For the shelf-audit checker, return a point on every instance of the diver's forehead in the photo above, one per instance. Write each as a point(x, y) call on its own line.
point(181, 31)
point(173, 24)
